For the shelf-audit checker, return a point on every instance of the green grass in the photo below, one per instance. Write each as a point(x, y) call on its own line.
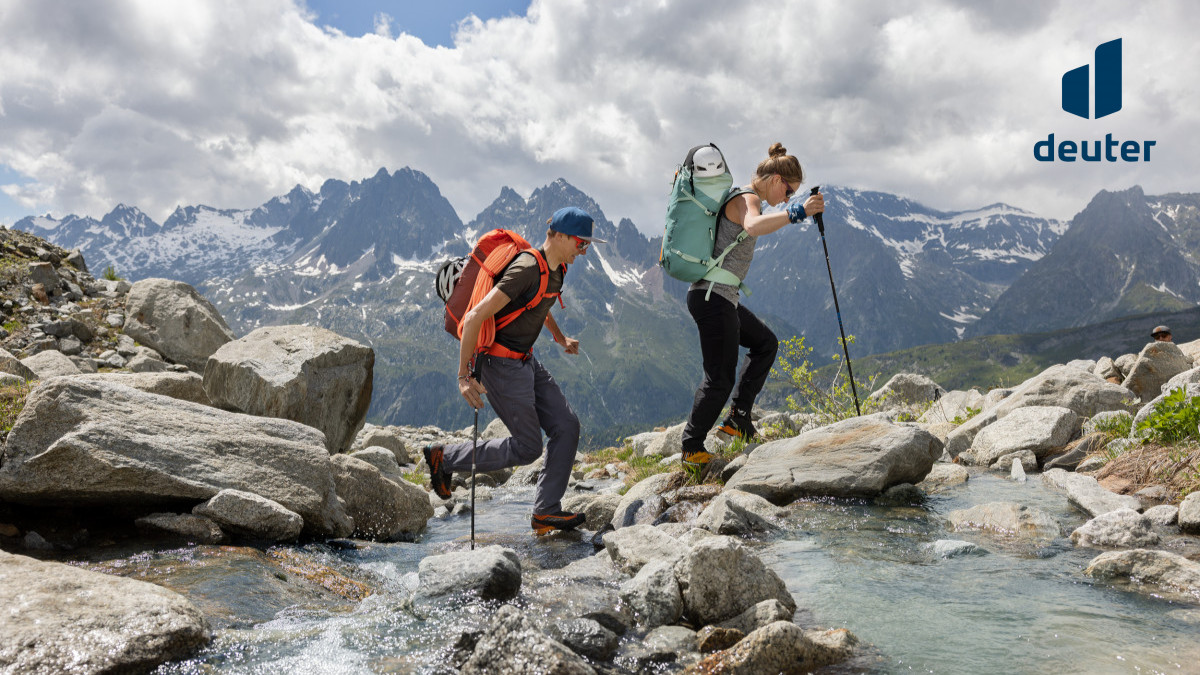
point(13, 326)
point(12, 402)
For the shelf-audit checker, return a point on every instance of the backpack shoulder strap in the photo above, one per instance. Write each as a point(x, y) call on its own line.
point(717, 274)
point(538, 295)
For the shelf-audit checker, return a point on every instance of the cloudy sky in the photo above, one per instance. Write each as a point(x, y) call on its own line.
point(228, 103)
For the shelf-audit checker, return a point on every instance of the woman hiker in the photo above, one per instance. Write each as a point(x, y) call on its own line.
point(725, 323)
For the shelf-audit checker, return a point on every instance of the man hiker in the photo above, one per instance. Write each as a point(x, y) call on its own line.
point(1161, 334)
point(525, 397)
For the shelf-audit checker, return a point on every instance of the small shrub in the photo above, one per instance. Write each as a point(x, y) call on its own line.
point(13, 326)
point(1174, 419)
point(110, 273)
point(1117, 426)
point(830, 403)
point(971, 412)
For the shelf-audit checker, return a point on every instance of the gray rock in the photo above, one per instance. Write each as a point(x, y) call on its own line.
point(1105, 368)
point(633, 547)
point(777, 420)
point(1083, 393)
point(64, 619)
point(382, 459)
point(952, 405)
point(195, 529)
point(639, 442)
point(1021, 458)
point(1086, 365)
point(1163, 514)
point(740, 513)
point(1018, 469)
point(51, 363)
point(81, 441)
point(733, 467)
point(250, 515)
point(588, 638)
point(75, 258)
point(942, 476)
point(1006, 518)
point(69, 327)
point(637, 497)
point(1148, 569)
point(490, 573)
point(859, 457)
point(1144, 412)
point(36, 542)
point(12, 365)
point(904, 494)
point(494, 430)
point(599, 508)
point(666, 644)
point(126, 346)
point(70, 346)
point(719, 578)
point(762, 614)
point(1105, 420)
point(1189, 513)
point(1124, 364)
point(1086, 493)
point(383, 437)
point(145, 364)
point(528, 474)
point(781, 647)
point(1158, 363)
point(953, 548)
point(668, 443)
point(653, 595)
point(43, 273)
point(1191, 376)
point(1123, 528)
point(173, 319)
point(513, 644)
point(1092, 464)
point(183, 386)
point(381, 508)
point(908, 388)
point(302, 373)
point(115, 319)
point(1039, 429)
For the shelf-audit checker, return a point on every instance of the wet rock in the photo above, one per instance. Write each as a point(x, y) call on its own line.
point(13, 366)
point(739, 513)
point(173, 319)
point(81, 441)
point(781, 647)
point(859, 457)
point(1189, 514)
point(193, 528)
point(1022, 458)
point(903, 494)
point(908, 388)
point(762, 614)
point(665, 644)
point(490, 573)
point(653, 595)
point(513, 644)
point(587, 638)
point(1083, 393)
point(1164, 515)
point(182, 386)
point(641, 504)
point(1148, 568)
point(943, 475)
point(249, 515)
point(632, 547)
point(719, 578)
point(1006, 518)
point(599, 508)
point(51, 363)
point(381, 508)
point(1123, 528)
point(1038, 429)
point(1087, 494)
point(60, 618)
point(714, 638)
point(1156, 364)
point(1018, 469)
point(302, 373)
point(953, 548)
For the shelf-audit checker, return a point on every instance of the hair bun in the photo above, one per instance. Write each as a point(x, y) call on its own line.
point(777, 150)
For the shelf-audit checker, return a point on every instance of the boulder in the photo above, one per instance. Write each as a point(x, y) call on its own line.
point(195, 529)
point(383, 437)
point(143, 363)
point(1156, 364)
point(1082, 364)
point(69, 328)
point(653, 595)
point(494, 430)
point(943, 475)
point(715, 638)
point(1189, 514)
point(668, 443)
point(1086, 493)
point(859, 457)
point(51, 363)
point(1191, 350)
point(739, 513)
point(382, 459)
point(953, 405)
point(1020, 458)
point(12, 365)
point(382, 508)
point(599, 508)
point(1080, 391)
point(490, 573)
point(642, 503)
point(1183, 379)
point(1038, 429)
point(764, 613)
point(638, 442)
point(250, 515)
point(719, 578)
point(182, 386)
point(633, 547)
point(1164, 515)
point(1154, 568)
point(173, 319)
point(908, 388)
point(587, 638)
point(1105, 420)
point(1123, 528)
point(1006, 518)
point(63, 619)
point(81, 442)
point(663, 645)
point(1105, 368)
point(1124, 363)
point(301, 373)
point(513, 644)
point(781, 647)
point(1190, 391)
point(44, 273)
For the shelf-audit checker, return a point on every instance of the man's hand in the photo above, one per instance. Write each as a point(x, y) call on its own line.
point(472, 390)
point(570, 345)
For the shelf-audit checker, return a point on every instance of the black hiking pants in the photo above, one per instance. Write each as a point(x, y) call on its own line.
point(723, 328)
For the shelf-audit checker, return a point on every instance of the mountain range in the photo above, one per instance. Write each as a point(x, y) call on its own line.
point(359, 258)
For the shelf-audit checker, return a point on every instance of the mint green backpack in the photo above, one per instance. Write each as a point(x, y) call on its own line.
point(703, 185)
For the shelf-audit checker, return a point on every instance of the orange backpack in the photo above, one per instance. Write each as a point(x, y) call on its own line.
point(461, 286)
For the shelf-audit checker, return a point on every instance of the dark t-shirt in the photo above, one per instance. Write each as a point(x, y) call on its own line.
point(520, 282)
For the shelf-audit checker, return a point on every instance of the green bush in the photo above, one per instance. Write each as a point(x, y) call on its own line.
point(1174, 419)
point(110, 273)
point(830, 402)
point(1117, 426)
point(971, 412)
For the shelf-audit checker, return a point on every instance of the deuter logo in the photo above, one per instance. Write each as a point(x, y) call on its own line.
point(1076, 84)
point(1077, 99)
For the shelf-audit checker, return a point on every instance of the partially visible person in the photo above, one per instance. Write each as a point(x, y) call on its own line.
point(1161, 334)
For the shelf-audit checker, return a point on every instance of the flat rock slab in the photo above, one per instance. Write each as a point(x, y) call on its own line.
point(250, 515)
point(1006, 518)
point(1037, 429)
point(859, 457)
point(183, 386)
point(1154, 568)
point(51, 363)
point(62, 619)
point(1086, 493)
point(1123, 528)
point(632, 547)
point(491, 573)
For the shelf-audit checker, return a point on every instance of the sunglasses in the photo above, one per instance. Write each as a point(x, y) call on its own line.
point(787, 187)
point(580, 244)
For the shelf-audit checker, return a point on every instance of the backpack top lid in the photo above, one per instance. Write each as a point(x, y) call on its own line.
point(707, 161)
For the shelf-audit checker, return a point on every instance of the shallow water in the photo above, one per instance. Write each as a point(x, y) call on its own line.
point(1022, 607)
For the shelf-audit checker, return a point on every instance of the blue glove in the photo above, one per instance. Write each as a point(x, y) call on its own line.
point(795, 210)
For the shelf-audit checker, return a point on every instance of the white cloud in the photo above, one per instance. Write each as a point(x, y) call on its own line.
point(230, 103)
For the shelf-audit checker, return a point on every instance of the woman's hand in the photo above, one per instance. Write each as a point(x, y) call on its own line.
point(798, 210)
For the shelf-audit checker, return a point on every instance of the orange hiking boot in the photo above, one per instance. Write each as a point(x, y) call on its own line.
point(563, 520)
point(439, 480)
point(738, 425)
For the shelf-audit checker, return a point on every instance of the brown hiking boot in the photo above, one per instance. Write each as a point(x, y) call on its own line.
point(563, 520)
point(438, 479)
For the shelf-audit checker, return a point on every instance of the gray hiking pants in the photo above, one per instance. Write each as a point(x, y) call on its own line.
point(527, 400)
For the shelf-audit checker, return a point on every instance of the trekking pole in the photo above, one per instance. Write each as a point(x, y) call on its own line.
point(845, 348)
point(474, 446)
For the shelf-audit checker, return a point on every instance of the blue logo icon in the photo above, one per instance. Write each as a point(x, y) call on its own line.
point(1076, 84)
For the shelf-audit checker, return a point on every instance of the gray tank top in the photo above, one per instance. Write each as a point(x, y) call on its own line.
point(738, 260)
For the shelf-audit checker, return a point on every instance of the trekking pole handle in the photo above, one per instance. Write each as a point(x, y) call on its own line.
point(818, 216)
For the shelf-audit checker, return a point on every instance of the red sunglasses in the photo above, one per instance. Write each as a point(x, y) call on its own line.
point(580, 244)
